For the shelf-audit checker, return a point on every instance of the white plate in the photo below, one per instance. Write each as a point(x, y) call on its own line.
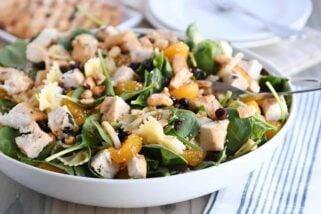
point(240, 44)
point(129, 19)
point(142, 192)
point(231, 26)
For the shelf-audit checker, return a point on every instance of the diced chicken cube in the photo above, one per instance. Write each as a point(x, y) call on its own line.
point(113, 108)
point(236, 80)
point(36, 50)
point(137, 167)
point(272, 110)
point(253, 85)
point(118, 39)
point(209, 102)
point(84, 48)
point(19, 117)
point(246, 111)
point(123, 74)
point(137, 51)
point(102, 164)
point(61, 122)
point(228, 67)
point(160, 99)
point(34, 141)
point(182, 75)
point(14, 81)
point(252, 67)
point(46, 37)
point(204, 120)
point(73, 78)
point(213, 135)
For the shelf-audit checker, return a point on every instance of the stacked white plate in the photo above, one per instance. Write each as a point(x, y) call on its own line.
point(233, 26)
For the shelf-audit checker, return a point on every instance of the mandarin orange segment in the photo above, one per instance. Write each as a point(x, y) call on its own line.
point(189, 91)
point(193, 157)
point(271, 133)
point(130, 147)
point(176, 49)
point(254, 104)
point(128, 86)
point(78, 112)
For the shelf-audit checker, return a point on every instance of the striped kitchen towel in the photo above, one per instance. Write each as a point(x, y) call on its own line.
point(290, 181)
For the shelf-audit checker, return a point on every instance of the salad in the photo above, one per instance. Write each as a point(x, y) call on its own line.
point(114, 104)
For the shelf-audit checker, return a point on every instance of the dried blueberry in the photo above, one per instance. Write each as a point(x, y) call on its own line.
point(184, 102)
point(181, 103)
point(148, 65)
point(221, 114)
point(152, 40)
point(122, 135)
point(134, 65)
point(74, 65)
point(178, 124)
point(40, 65)
point(43, 124)
point(198, 73)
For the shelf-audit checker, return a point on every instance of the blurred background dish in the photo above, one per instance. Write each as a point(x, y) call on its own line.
point(230, 25)
point(24, 19)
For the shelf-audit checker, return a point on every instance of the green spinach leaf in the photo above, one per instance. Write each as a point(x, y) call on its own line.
point(7, 141)
point(14, 55)
point(6, 105)
point(278, 83)
point(154, 78)
point(107, 81)
point(238, 131)
point(159, 152)
point(190, 125)
point(259, 128)
point(161, 62)
point(192, 35)
point(204, 53)
point(90, 138)
point(103, 134)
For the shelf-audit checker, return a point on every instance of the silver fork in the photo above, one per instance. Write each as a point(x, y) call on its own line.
point(283, 31)
point(236, 92)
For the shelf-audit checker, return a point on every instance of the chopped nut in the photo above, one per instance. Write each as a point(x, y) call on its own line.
point(99, 78)
point(204, 83)
point(159, 99)
point(222, 59)
point(114, 51)
point(89, 82)
point(41, 76)
point(161, 43)
point(87, 94)
point(70, 140)
point(98, 90)
point(87, 101)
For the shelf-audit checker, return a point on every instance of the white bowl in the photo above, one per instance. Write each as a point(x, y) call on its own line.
point(142, 192)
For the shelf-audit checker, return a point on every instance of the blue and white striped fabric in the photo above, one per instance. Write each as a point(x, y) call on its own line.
point(290, 181)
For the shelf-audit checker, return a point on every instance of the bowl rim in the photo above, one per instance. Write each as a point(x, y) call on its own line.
point(267, 66)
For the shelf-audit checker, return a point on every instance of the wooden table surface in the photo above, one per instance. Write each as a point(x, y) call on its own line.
point(17, 199)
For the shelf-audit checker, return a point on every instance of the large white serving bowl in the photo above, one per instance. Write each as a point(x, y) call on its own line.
point(143, 192)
